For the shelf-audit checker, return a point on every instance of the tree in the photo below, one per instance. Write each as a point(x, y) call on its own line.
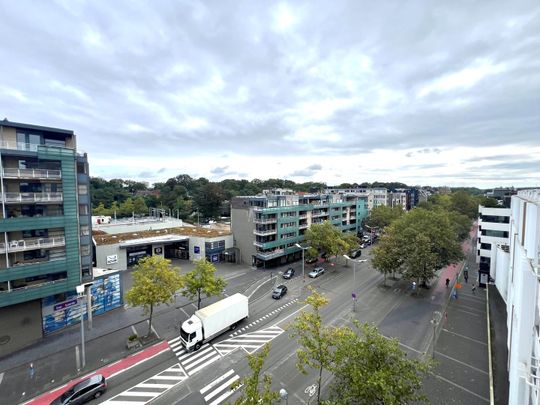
point(329, 239)
point(386, 256)
point(383, 215)
point(139, 206)
point(209, 199)
point(252, 394)
point(315, 340)
point(154, 283)
point(100, 210)
point(202, 279)
point(372, 369)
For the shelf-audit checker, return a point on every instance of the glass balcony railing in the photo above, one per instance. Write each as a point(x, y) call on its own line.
point(12, 173)
point(32, 197)
point(32, 244)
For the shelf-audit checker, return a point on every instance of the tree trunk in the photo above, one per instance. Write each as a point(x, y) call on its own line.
point(198, 299)
point(150, 320)
point(319, 386)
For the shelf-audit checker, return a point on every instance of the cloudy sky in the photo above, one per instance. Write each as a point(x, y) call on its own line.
point(431, 93)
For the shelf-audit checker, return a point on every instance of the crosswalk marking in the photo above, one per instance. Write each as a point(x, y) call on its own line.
point(250, 342)
point(219, 389)
point(151, 388)
point(194, 361)
point(264, 317)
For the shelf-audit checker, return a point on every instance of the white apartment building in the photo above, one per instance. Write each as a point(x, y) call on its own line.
point(517, 277)
point(493, 230)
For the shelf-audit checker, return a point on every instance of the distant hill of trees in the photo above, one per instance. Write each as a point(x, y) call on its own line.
point(186, 196)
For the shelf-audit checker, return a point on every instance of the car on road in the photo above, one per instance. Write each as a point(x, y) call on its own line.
point(312, 260)
point(289, 273)
point(279, 292)
point(317, 271)
point(84, 391)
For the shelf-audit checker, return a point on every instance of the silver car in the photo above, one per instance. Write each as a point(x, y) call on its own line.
point(317, 271)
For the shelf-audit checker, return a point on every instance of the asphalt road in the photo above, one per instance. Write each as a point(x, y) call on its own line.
point(210, 372)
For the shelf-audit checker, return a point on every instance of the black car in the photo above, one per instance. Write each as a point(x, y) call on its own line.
point(85, 390)
point(289, 273)
point(279, 292)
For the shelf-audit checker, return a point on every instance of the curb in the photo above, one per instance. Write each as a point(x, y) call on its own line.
point(490, 360)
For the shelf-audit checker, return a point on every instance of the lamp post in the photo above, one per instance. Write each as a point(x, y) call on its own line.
point(303, 262)
point(435, 322)
point(80, 296)
point(354, 278)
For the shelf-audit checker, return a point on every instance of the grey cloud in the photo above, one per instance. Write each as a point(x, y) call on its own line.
point(219, 170)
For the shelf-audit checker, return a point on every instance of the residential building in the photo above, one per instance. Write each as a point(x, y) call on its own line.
point(45, 225)
point(399, 198)
point(502, 195)
point(517, 277)
point(267, 227)
point(493, 230)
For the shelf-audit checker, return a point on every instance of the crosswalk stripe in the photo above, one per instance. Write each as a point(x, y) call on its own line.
point(140, 394)
point(196, 355)
point(176, 339)
point(220, 388)
point(168, 377)
point(215, 382)
point(225, 396)
point(199, 360)
point(155, 385)
point(118, 402)
point(193, 371)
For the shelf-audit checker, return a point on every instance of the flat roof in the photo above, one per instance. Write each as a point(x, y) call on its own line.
point(6, 123)
point(157, 239)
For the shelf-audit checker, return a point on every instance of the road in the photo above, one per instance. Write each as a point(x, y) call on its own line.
point(205, 377)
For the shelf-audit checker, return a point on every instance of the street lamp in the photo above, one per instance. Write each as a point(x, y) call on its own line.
point(303, 262)
point(354, 278)
point(435, 320)
point(80, 296)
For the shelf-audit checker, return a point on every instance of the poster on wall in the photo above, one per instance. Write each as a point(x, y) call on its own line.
point(61, 310)
point(112, 259)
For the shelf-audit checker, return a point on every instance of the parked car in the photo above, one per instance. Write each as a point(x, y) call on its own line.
point(289, 273)
point(355, 253)
point(85, 390)
point(317, 271)
point(311, 260)
point(279, 292)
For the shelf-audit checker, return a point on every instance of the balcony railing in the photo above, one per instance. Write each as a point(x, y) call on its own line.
point(272, 254)
point(19, 146)
point(35, 284)
point(12, 173)
point(32, 197)
point(32, 244)
point(265, 220)
point(265, 232)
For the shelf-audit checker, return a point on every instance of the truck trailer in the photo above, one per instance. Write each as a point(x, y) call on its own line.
point(213, 320)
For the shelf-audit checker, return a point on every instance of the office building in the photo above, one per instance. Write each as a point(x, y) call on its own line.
point(493, 231)
point(45, 226)
point(267, 227)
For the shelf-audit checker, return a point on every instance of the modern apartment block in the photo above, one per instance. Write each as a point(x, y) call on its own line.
point(517, 277)
point(267, 227)
point(45, 227)
point(493, 231)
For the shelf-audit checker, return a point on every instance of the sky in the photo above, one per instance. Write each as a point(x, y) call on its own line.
point(423, 93)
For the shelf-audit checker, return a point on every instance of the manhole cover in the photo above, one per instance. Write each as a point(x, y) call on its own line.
point(4, 339)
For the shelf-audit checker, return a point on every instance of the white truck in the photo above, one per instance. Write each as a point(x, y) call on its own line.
point(212, 320)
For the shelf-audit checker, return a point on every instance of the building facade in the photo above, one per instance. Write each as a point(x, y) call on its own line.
point(493, 231)
point(517, 277)
point(45, 226)
point(266, 228)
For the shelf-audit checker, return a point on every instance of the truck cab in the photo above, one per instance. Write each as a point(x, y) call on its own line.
point(191, 333)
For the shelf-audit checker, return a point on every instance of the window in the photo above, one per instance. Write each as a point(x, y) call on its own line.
point(485, 246)
point(36, 233)
point(60, 143)
point(83, 209)
point(83, 189)
point(85, 250)
point(85, 230)
point(495, 234)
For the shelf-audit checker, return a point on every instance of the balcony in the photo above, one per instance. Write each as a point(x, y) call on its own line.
point(264, 232)
point(32, 244)
point(319, 214)
point(270, 255)
point(42, 174)
point(302, 216)
point(19, 146)
point(302, 226)
point(32, 197)
point(265, 220)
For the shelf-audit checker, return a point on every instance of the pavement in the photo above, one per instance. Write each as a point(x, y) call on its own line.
point(458, 344)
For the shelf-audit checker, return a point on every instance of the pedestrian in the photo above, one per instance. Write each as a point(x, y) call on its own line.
point(466, 276)
point(474, 288)
point(414, 286)
point(454, 294)
point(447, 282)
point(31, 371)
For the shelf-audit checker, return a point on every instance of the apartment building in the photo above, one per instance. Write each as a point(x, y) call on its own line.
point(45, 226)
point(517, 277)
point(267, 227)
point(493, 231)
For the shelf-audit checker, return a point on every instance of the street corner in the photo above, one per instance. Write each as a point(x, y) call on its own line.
point(108, 371)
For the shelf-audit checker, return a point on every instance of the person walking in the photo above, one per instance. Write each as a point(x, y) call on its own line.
point(454, 294)
point(466, 275)
point(474, 288)
point(31, 371)
point(447, 282)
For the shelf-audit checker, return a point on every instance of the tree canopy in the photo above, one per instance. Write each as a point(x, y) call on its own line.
point(154, 282)
point(202, 280)
point(329, 239)
point(382, 216)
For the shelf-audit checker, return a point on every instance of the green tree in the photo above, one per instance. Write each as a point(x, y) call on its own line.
point(154, 282)
point(329, 239)
point(382, 216)
point(315, 341)
point(253, 393)
point(202, 279)
point(127, 208)
point(209, 200)
point(371, 369)
point(464, 203)
point(386, 256)
point(100, 210)
point(139, 206)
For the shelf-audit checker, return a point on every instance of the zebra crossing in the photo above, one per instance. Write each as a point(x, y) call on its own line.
point(151, 388)
point(250, 342)
point(221, 388)
point(193, 362)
